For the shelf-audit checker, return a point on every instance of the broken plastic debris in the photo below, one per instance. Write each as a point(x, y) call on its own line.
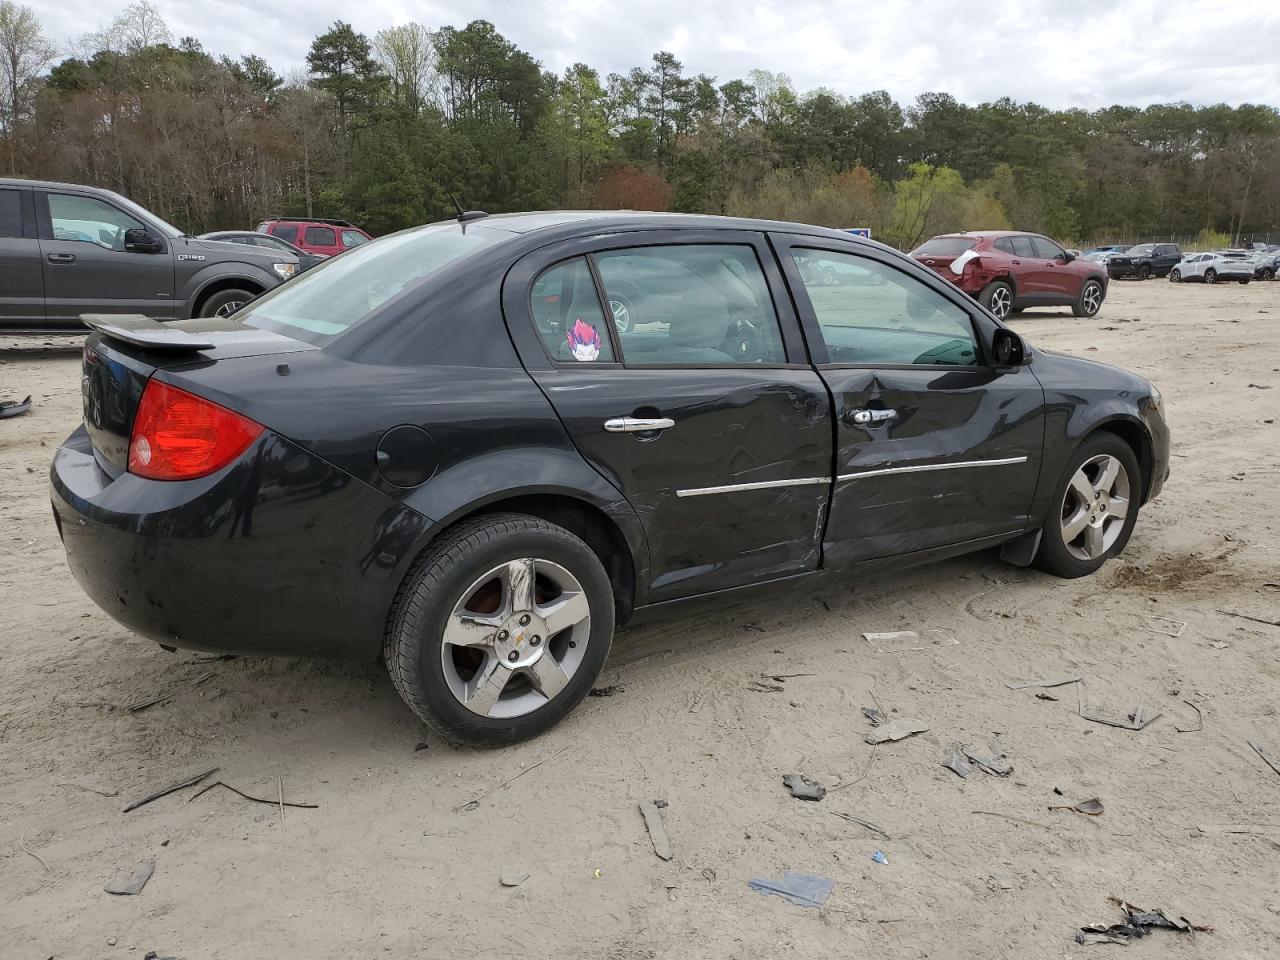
point(1091, 807)
point(898, 729)
point(992, 760)
point(1136, 719)
point(802, 788)
point(879, 857)
point(957, 764)
point(1174, 628)
point(652, 814)
point(802, 889)
point(15, 408)
point(131, 883)
point(512, 876)
point(1137, 923)
point(900, 641)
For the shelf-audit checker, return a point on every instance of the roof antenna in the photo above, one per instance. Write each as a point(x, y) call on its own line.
point(466, 215)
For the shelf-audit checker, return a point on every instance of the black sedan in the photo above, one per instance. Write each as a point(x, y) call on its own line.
point(250, 238)
point(441, 447)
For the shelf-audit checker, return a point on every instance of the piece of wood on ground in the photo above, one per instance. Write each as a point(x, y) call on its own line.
point(171, 788)
point(1271, 761)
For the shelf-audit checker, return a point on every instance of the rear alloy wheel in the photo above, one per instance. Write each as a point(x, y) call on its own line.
point(1144, 272)
point(224, 303)
point(624, 317)
point(1175, 275)
point(1211, 275)
point(1268, 274)
point(1090, 301)
point(997, 297)
point(501, 630)
point(1094, 508)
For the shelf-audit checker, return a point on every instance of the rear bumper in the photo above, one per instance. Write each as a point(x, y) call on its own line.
point(280, 553)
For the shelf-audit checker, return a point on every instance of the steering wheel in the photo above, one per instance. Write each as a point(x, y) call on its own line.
point(740, 340)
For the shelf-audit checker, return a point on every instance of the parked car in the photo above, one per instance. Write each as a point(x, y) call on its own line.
point(1213, 268)
point(67, 249)
point(1144, 260)
point(1267, 265)
point(1008, 271)
point(324, 238)
point(1094, 252)
point(266, 241)
point(392, 455)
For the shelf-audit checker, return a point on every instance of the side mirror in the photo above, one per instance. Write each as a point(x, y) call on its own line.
point(137, 240)
point(1008, 349)
point(1067, 256)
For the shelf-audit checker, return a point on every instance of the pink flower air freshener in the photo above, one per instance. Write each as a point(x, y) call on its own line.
point(584, 342)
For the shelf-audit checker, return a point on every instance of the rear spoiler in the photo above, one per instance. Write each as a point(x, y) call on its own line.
point(145, 332)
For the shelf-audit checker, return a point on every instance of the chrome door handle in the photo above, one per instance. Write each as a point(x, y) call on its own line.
point(61, 258)
point(872, 416)
point(638, 424)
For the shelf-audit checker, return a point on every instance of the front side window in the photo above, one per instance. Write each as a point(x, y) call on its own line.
point(691, 304)
point(566, 310)
point(89, 220)
point(1046, 249)
point(318, 305)
point(870, 313)
point(321, 236)
point(353, 238)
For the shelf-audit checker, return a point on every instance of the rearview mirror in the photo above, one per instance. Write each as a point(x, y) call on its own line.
point(1008, 349)
point(138, 240)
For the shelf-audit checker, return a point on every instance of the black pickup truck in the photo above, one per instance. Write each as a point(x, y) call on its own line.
point(1144, 261)
point(67, 250)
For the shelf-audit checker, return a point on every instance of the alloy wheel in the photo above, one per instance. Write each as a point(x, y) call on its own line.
point(1091, 298)
point(621, 315)
point(516, 638)
point(1211, 276)
point(227, 309)
point(1001, 302)
point(1175, 276)
point(1094, 507)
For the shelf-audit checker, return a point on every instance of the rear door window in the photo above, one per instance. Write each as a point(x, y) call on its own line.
point(566, 309)
point(691, 304)
point(286, 231)
point(321, 237)
point(1022, 247)
point(1004, 244)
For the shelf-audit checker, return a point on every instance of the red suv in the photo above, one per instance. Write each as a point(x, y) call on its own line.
point(1009, 271)
point(323, 238)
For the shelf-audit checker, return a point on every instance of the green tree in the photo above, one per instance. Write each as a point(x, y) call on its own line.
point(342, 64)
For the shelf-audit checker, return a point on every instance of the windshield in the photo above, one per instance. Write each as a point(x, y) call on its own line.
point(328, 300)
point(944, 247)
point(1141, 250)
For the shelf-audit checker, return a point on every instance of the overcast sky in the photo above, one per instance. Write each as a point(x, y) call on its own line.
point(1061, 53)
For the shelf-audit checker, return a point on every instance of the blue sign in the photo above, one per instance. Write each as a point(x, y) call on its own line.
point(859, 231)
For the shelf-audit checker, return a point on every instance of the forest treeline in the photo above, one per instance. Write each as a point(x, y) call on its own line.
point(386, 129)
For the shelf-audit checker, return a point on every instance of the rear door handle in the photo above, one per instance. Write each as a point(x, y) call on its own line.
point(62, 258)
point(638, 424)
point(864, 417)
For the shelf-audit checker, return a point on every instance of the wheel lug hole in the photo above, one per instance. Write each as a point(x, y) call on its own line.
point(513, 656)
point(502, 635)
point(535, 640)
point(524, 621)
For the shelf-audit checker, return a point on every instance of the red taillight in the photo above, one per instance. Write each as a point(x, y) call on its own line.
point(179, 436)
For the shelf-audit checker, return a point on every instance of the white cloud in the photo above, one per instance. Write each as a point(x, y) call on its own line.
point(1061, 55)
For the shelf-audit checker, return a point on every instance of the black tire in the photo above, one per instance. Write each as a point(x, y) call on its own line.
point(1243, 281)
point(225, 301)
point(1053, 556)
point(426, 599)
point(1175, 275)
point(1087, 306)
point(997, 296)
point(1144, 272)
point(1268, 274)
point(1211, 275)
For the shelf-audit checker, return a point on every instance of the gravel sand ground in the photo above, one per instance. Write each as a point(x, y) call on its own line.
point(391, 863)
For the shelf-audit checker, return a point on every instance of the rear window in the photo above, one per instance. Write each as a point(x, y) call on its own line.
point(10, 213)
point(945, 247)
point(318, 305)
point(321, 236)
point(353, 238)
point(286, 231)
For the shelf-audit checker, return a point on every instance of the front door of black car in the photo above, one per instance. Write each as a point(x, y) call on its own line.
point(699, 406)
point(934, 446)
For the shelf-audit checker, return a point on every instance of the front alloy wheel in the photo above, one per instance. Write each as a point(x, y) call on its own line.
point(1090, 300)
point(1094, 507)
point(1175, 275)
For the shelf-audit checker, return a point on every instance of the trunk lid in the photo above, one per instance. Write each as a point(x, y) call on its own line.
point(123, 352)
